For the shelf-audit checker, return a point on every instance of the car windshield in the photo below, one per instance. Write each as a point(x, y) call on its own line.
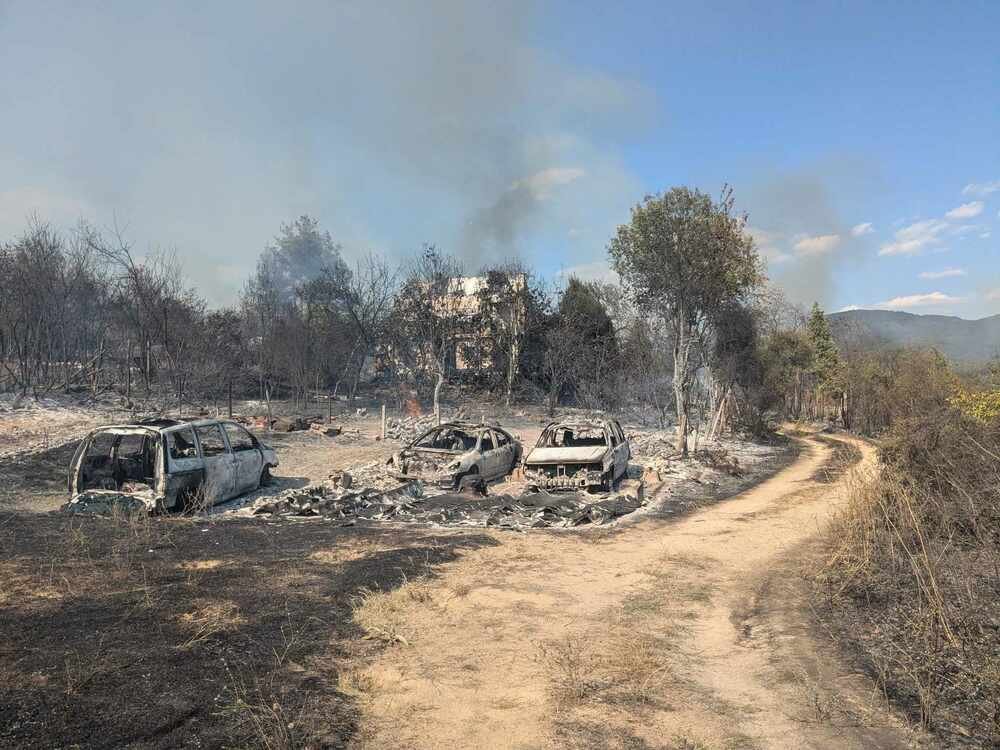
point(573, 436)
point(452, 439)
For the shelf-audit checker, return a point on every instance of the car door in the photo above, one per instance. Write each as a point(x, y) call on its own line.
point(220, 466)
point(185, 467)
point(621, 450)
point(488, 450)
point(248, 459)
point(505, 453)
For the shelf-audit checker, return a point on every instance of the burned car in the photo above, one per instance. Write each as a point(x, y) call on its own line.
point(578, 455)
point(167, 465)
point(456, 455)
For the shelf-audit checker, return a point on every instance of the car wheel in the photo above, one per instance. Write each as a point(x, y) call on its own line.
point(265, 477)
point(471, 480)
point(609, 482)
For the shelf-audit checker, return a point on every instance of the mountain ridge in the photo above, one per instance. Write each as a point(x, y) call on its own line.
point(957, 338)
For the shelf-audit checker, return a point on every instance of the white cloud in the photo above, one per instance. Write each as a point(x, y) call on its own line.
point(943, 274)
point(981, 188)
point(541, 183)
point(966, 211)
point(848, 308)
point(860, 229)
point(818, 245)
point(914, 238)
point(963, 229)
point(919, 300)
point(985, 235)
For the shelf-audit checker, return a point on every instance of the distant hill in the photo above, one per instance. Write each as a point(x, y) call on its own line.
point(958, 339)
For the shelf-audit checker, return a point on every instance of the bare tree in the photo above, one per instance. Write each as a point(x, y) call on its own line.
point(367, 297)
point(431, 315)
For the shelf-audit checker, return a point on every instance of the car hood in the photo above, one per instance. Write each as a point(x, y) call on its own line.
point(584, 454)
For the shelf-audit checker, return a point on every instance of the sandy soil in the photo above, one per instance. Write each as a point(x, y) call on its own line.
point(687, 634)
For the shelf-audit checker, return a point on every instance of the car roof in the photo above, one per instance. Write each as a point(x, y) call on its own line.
point(592, 423)
point(162, 424)
point(468, 426)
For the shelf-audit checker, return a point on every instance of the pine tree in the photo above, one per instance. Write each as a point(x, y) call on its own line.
point(827, 365)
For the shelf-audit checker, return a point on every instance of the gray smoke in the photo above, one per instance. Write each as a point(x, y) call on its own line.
point(793, 207)
point(203, 128)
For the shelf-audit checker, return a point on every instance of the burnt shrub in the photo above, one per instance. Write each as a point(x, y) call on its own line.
point(911, 581)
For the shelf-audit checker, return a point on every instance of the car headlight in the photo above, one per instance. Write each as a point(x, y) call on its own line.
point(453, 466)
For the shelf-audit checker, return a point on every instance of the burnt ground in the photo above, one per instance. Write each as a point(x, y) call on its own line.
point(165, 632)
point(218, 632)
point(696, 490)
point(36, 481)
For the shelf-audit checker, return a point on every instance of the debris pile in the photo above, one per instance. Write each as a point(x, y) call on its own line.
point(654, 450)
point(372, 475)
point(530, 510)
point(408, 429)
point(720, 460)
point(104, 503)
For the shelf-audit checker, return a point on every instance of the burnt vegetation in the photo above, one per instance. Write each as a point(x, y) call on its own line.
point(85, 312)
point(911, 580)
point(692, 336)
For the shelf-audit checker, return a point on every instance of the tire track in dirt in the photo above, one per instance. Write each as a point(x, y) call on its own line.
point(687, 634)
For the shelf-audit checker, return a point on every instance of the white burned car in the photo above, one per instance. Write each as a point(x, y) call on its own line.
point(578, 455)
point(166, 464)
point(455, 455)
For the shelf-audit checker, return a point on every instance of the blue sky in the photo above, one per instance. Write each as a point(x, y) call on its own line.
point(863, 139)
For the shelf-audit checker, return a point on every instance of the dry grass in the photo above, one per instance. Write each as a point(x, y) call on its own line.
point(913, 574)
point(262, 717)
point(633, 663)
point(623, 667)
point(388, 616)
point(80, 669)
point(209, 620)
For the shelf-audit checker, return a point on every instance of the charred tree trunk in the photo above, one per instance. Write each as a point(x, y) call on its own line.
point(682, 356)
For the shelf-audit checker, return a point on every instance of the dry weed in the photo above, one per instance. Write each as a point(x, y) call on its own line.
point(388, 616)
point(260, 715)
point(209, 620)
point(912, 579)
point(625, 666)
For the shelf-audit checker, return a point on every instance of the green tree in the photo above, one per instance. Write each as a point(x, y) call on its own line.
point(583, 310)
point(682, 256)
point(827, 365)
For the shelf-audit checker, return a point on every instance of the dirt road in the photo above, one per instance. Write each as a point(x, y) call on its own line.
point(690, 634)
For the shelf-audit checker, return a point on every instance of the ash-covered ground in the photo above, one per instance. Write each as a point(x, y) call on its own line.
point(39, 437)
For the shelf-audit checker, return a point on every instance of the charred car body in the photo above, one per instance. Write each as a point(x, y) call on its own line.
point(578, 455)
point(165, 464)
point(456, 455)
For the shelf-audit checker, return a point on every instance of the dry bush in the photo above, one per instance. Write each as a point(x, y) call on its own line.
point(913, 578)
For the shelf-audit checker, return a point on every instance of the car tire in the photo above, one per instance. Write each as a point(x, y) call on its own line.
point(609, 483)
point(471, 480)
point(265, 477)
